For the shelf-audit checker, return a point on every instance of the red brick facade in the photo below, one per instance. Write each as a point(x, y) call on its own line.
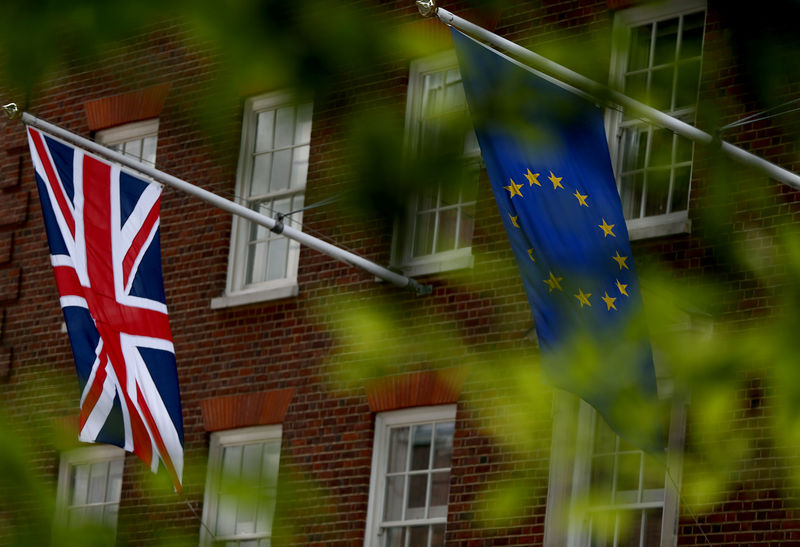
point(287, 361)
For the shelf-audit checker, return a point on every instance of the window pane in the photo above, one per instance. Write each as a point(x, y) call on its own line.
point(602, 477)
point(303, 133)
point(631, 190)
point(134, 148)
point(688, 84)
point(423, 231)
point(440, 489)
point(639, 54)
point(692, 38)
point(281, 169)
point(666, 42)
point(257, 262)
point(265, 126)
point(628, 472)
point(97, 482)
point(114, 488)
point(661, 148)
point(394, 537)
point(284, 127)
point(80, 484)
point(149, 150)
point(437, 535)
point(398, 449)
point(652, 526)
point(630, 529)
point(443, 449)
point(634, 148)
point(661, 88)
point(446, 234)
point(421, 446)
point(300, 166)
point(259, 182)
point(418, 536)
point(657, 190)
point(636, 86)
point(277, 257)
point(417, 496)
point(393, 507)
point(683, 149)
point(680, 188)
point(466, 226)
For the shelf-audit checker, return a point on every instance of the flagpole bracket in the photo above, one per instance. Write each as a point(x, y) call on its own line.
point(12, 111)
point(427, 8)
point(279, 226)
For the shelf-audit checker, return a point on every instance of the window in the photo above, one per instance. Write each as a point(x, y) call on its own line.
point(410, 481)
point(89, 486)
point(624, 497)
point(436, 233)
point(271, 179)
point(241, 486)
point(137, 140)
point(657, 61)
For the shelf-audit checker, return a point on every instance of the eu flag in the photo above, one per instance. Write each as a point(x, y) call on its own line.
point(546, 153)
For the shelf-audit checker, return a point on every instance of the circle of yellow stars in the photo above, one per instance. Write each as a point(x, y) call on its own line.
point(553, 282)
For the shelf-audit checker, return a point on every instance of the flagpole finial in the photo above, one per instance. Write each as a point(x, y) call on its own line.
point(427, 8)
point(12, 111)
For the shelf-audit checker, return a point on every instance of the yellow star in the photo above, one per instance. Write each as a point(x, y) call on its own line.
point(556, 181)
point(623, 289)
point(606, 228)
point(533, 178)
point(553, 282)
point(513, 220)
point(621, 261)
point(514, 188)
point(583, 298)
point(609, 300)
point(581, 198)
point(530, 254)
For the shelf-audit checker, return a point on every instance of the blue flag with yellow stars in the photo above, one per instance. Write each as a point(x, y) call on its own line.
point(546, 153)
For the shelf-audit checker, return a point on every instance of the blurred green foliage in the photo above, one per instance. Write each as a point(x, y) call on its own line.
point(737, 370)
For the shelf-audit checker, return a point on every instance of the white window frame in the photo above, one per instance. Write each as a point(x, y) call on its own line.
point(384, 421)
point(134, 131)
point(570, 472)
point(88, 455)
point(453, 259)
point(218, 442)
point(624, 20)
point(236, 291)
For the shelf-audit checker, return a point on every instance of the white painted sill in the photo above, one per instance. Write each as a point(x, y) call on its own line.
point(662, 225)
point(444, 262)
point(277, 291)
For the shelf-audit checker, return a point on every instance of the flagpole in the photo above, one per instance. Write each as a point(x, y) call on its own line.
point(603, 93)
point(271, 224)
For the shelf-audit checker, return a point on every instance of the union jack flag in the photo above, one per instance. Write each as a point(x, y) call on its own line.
point(102, 227)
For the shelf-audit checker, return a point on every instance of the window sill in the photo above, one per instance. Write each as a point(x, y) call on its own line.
point(285, 289)
point(662, 225)
point(443, 262)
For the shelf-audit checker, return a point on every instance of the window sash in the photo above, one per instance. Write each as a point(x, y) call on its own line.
point(438, 223)
point(271, 178)
point(409, 454)
point(90, 486)
point(237, 508)
point(138, 140)
point(655, 186)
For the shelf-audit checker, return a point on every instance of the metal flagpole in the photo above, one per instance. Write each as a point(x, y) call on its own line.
point(273, 225)
point(428, 8)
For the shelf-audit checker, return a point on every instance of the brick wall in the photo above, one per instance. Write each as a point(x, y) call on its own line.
point(477, 320)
